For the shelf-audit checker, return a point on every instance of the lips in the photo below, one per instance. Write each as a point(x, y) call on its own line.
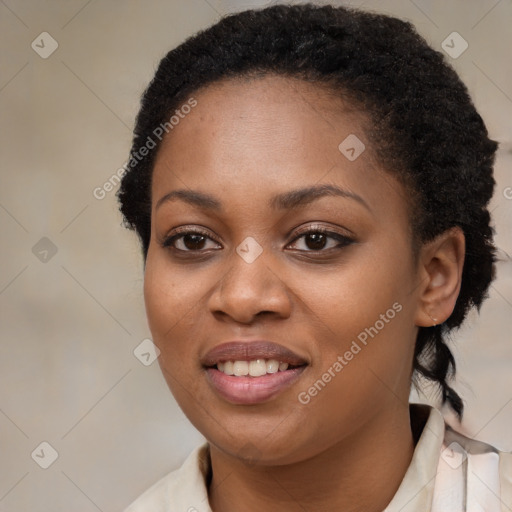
point(251, 372)
point(249, 351)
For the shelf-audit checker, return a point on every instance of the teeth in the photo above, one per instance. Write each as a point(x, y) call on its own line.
point(272, 366)
point(257, 368)
point(228, 367)
point(254, 368)
point(240, 368)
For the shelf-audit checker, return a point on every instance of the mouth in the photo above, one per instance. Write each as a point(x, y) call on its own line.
point(253, 368)
point(248, 373)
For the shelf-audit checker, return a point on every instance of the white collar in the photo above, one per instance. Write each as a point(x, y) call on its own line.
point(416, 490)
point(432, 483)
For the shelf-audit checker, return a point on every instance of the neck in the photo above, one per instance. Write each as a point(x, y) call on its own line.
point(360, 473)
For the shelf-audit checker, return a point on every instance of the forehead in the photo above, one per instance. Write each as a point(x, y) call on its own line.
point(271, 103)
point(282, 118)
point(261, 136)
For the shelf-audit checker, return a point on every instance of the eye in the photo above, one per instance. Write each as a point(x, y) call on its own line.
point(190, 240)
point(319, 239)
point(315, 239)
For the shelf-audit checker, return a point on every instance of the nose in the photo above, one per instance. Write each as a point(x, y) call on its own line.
point(249, 291)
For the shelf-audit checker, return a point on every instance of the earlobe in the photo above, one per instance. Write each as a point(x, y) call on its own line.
point(441, 262)
point(434, 320)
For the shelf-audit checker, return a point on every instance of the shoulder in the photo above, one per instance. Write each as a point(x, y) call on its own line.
point(472, 449)
point(477, 469)
point(182, 490)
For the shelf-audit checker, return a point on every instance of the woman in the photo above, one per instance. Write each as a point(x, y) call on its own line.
point(310, 187)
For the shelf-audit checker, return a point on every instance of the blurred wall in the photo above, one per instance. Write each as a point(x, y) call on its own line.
point(71, 278)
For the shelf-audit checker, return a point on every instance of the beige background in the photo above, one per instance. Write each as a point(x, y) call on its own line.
point(70, 324)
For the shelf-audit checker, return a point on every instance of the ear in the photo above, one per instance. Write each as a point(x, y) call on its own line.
point(440, 270)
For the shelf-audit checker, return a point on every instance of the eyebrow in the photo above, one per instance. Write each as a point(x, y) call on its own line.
point(287, 200)
point(193, 197)
point(303, 196)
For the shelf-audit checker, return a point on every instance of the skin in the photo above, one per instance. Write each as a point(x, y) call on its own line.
point(245, 142)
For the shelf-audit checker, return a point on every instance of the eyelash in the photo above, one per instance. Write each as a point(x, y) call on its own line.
point(342, 240)
point(180, 233)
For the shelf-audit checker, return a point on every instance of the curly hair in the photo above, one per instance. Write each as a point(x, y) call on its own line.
point(424, 128)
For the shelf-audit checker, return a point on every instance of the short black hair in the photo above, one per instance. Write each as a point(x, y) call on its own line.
point(425, 128)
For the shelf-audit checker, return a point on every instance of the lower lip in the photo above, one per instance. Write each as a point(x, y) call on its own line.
point(252, 390)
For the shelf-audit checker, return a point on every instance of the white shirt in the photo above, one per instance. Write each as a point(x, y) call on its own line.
point(448, 473)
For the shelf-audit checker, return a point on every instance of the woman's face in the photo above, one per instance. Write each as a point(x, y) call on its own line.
point(271, 243)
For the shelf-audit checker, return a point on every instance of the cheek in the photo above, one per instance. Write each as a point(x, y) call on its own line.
point(170, 296)
point(172, 311)
point(364, 312)
point(352, 297)
point(172, 303)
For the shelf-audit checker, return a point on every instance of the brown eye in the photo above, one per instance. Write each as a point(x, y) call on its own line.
point(190, 241)
point(315, 241)
point(194, 242)
point(320, 240)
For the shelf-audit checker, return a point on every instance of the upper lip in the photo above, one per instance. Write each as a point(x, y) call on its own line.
point(250, 350)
